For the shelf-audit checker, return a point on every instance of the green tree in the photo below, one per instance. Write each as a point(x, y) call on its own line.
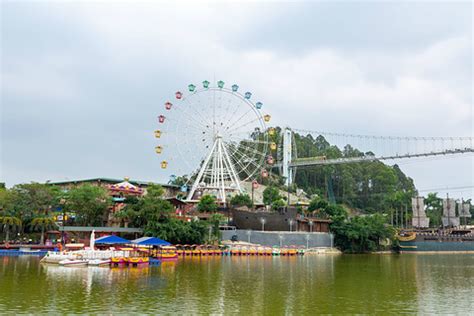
point(434, 209)
point(241, 200)
point(178, 232)
point(90, 203)
point(42, 224)
point(9, 224)
point(32, 199)
point(278, 204)
point(215, 221)
point(317, 203)
point(270, 195)
point(147, 210)
point(207, 204)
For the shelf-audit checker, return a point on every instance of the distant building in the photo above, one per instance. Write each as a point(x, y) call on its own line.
point(119, 190)
point(170, 189)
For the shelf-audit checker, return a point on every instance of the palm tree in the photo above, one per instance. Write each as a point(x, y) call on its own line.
point(9, 223)
point(42, 223)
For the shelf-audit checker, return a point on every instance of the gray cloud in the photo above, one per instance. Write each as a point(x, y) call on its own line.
point(82, 83)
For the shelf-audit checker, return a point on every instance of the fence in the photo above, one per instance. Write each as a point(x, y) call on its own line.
point(280, 238)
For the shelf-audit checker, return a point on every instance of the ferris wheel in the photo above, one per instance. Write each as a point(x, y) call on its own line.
point(217, 137)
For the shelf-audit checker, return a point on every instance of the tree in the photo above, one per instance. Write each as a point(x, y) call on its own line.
point(270, 195)
point(8, 224)
point(207, 204)
point(42, 224)
point(241, 200)
point(434, 209)
point(90, 203)
point(32, 199)
point(317, 203)
point(361, 233)
point(216, 220)
point(178, 232)
point(147, 210)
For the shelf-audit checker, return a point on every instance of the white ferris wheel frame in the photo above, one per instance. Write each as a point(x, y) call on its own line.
point(228, 154)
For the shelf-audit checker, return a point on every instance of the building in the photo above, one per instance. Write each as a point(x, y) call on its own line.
point(170, 189)
point(119, 190)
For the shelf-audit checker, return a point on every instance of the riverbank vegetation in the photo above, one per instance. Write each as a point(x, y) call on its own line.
point(355, 234)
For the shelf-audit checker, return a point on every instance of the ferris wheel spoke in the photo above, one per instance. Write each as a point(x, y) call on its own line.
point(238, 160)
point(232, 115)
point(253, 150)
point(249, 140)
point(244, 125)
point(203, 116)
point(229, 126)
point(241, 152)
point(250, 161)
point(226, 113)
point(190, 116)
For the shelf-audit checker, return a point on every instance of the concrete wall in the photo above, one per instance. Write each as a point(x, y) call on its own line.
point(281, 238)
point(274, 221)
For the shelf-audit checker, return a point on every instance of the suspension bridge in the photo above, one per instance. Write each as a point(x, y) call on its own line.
point(371, 148)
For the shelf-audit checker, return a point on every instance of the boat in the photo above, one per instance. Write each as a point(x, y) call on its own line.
point(275, 251)
point(235, 251)
point(98, 262)
point(29, 250)
point(252, 251)
point(73, 262)
point(196, 251)
point(118, 261)
point(180, 250)
point(187, 250)
point(452, 237)
point(443, 240)
point(135, 261)
point(166, 253)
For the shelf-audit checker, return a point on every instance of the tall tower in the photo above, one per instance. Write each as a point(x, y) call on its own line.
point(287, 172)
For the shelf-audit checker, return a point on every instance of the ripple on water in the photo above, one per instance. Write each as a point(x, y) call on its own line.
point(322, 284)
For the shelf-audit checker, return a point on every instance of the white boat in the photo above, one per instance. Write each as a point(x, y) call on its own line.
point(29, 250)
point(73, 262)
point(98, 262)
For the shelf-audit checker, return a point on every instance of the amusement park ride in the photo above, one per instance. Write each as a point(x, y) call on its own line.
point(224, 133)
point(220, 130)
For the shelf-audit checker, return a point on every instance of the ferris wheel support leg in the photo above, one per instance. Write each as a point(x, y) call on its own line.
point(201, 172)
point(233, 173)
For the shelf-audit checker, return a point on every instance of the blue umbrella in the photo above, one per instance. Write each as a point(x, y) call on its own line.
point(150, 241)
point(111, 240)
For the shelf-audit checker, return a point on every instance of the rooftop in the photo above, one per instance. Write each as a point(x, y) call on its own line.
point(110, 181)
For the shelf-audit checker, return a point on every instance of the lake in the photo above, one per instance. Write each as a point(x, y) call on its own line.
point(248, 285)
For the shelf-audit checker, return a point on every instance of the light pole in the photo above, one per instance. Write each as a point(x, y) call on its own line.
point(291, 224)
point(310, 223)
point(249, 232)
point(307, 241)
point(281, 240)
point(262, 220)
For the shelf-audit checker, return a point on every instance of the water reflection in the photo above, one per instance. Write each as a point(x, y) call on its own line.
point(250, 285)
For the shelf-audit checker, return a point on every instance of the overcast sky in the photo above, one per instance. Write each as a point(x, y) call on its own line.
point(82, 82)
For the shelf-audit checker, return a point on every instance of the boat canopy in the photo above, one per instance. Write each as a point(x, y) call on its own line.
point(151, 241)
point(111, 239)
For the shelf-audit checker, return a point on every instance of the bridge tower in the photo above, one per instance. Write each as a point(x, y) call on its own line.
point(287, 172)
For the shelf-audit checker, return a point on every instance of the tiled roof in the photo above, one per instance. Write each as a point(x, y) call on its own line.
point(111, 181)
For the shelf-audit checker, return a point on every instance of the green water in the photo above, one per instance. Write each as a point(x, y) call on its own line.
point(302, 285)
